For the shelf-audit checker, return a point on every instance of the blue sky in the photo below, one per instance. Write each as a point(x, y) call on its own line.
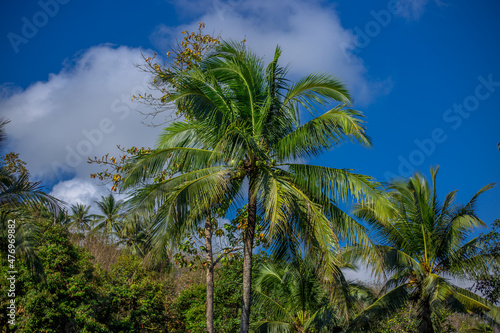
point(425, 73)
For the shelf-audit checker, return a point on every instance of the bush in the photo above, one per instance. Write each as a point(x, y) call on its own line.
point(73, 295)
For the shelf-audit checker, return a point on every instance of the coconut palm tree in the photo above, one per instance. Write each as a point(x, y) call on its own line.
point(296, 298)
point(80, 218)
point(424, 244)
point(19, 200)
point(244, 127)
point(112, 211)
point(134, 233)
point(3, 121)
point(80, 221)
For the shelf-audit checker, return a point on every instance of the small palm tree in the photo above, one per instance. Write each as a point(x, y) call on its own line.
point(62, 218)
point(423, 244)
point(112, 212)
point(297, 297)
point(80, 218)
point(134, 233)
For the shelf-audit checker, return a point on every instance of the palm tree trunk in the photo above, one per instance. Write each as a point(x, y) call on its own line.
point(426, 325)
point(210, 274)
point(247, 258)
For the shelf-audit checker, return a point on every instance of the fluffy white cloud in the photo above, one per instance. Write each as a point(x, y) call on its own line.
point(362, 273)
point(84, 110)
point(77, 190)
point(82, 191)
point(309, 32)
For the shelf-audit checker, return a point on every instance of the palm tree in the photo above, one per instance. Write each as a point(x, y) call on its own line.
point(3, 121)
point(62, 218)
point(244, 125)
point(19, 191)
point(134, 233)
point(423, 245)
point(112, 212)
point(80, 217)
point(296, 298)
point(19, 200)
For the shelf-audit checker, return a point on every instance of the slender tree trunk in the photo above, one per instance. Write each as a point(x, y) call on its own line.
point(247, 259)
point(210, 274)
point(426, 325)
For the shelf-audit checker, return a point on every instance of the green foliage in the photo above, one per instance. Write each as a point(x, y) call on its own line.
point(243, 124)
point(76, 296)
point(137, 298)
point(190, 305)
point(67, 299)
point(20, 200)
point(421, 241)
point(402, 321)
point(489, 284)
point(293, 298)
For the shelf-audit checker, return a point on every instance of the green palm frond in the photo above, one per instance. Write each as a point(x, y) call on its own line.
point(20, 191)
point(382, 307)
point(422, 242)
point(323, 133)
point(3, 122)
point(474, 302)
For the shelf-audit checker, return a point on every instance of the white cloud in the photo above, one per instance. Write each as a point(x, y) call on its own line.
point(77, 190)
point(84, 110)
point(412, 9)
point(362, 274)
point(310, 33)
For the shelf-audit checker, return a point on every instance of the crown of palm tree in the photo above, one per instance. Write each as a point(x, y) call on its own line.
point(111, 212)
point(423, 244)
point(80, 217)
point(244, 123)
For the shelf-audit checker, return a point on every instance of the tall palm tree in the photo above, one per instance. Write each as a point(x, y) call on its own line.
point(112, 211)
point(244, 126)
point(424, 244)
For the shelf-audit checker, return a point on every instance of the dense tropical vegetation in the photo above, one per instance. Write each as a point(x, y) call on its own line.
point(225, 226)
